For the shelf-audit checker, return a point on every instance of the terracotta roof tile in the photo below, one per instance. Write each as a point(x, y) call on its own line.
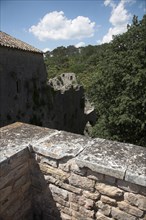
point(9, 41)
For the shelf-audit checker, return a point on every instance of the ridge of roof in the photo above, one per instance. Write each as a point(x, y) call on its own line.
point(7, 40)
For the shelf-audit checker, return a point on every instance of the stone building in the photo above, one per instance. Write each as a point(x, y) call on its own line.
point(26, 96)
point(22, 78)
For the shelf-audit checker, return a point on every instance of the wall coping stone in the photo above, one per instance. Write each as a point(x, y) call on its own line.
point(120, 160)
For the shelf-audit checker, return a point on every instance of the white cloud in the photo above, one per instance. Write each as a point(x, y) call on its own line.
point(119, 19)
point(113, 31)
point(119, 15)
point(56, 26)
point(110, 3)
point(80, 44)
point(46, 49)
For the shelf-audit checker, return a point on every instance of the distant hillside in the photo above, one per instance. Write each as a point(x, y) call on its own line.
point(114, 77)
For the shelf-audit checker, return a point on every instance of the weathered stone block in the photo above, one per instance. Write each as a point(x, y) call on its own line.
point(136, 199)
point(76, 169)
point(71, 166)
point(65, 216)
point(59, 192)
point(89, 204)
point(131, 187)
point(81, 182)
point(64, 209)
point(100, 216)
point(144, 217)
point(73, 198)
point(141, 201)
point(131, 198)
point(79, 216)
point(94, 196)
point(108, 190)
point(60, 201)
point(56, 173)
point(103, 208)
point(108, 200)
point(80, 200)
point(130, 209)
point(120, 215)
point(137, 177)
point(94, 175)
point(86, 213)
point(74, 206)
point(69, 188)
point(50, 179)
point(48, 161)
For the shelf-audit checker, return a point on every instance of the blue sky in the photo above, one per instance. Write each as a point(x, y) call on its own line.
point(53, 23)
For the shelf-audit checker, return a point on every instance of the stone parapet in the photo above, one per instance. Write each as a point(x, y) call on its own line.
point(60, 175)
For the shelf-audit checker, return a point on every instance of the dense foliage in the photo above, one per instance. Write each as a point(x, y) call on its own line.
point(114, 77)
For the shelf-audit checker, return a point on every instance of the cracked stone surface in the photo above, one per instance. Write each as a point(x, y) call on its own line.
point(136, 171)
point(62, 145)
point(120, 160)
point(17, 136)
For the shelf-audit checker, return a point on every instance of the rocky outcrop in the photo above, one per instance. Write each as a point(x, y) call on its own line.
point(70, 111)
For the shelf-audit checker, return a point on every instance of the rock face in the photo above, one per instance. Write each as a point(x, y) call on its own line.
point(69, 110)
point(64, 82)
point(47, 174)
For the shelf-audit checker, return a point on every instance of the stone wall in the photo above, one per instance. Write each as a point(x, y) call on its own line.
point(22, 83)
point(85, 194)
point(73, 177)
point(15, 187)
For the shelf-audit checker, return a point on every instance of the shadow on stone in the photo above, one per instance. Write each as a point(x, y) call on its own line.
point(43, 205)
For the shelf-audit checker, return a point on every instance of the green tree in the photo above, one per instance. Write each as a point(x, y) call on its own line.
point(114, 77)
point(119, 89)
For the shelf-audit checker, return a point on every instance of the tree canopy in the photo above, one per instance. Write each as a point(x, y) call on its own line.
point(114, 77)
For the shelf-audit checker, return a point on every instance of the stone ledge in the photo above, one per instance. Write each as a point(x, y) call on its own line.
point(18, 136)
point(119, 160)
point(62, 145)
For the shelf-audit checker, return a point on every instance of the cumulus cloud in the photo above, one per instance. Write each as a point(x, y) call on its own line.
point(119, 16)
point(80, 44)
point(109, 2)
point(119, 19)
point(56, 26)
point(46, 49)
